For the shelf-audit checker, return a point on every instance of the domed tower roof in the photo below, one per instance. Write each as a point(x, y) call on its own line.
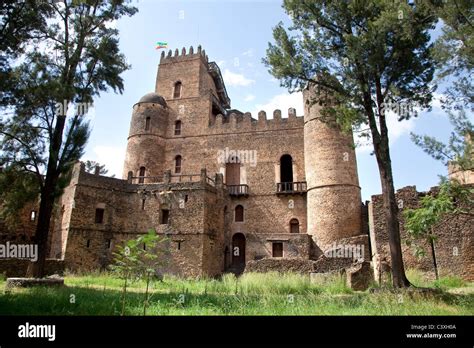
point(153, 98)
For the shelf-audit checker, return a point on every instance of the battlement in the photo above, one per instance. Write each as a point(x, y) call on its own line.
point(169, 57)
point(246, 122)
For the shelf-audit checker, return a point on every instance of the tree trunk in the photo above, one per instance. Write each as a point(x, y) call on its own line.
point(48, 195)
point(145, 303)
point(391, 214)
point(433, 254)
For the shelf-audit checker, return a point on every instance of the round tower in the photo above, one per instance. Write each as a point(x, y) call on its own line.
point(333, 192)
point(145, 154)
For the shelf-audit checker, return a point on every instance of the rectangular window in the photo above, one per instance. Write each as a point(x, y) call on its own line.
point(108, 243)
point(165, 215)
point(33, 215)
point(88, 243)
point(99, 215)
point(177, 128)
point(147, 124)
point(277, 249)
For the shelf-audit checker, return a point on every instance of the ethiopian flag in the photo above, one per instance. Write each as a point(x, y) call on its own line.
point(160, 44)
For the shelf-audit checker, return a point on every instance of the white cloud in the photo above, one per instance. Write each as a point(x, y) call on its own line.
point(282, 102)
point(221, 63)
point(249, 97)
point(248, 53)
point(233, 79)
point(113, 158)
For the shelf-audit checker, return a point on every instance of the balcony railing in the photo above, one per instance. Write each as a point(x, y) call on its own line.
point(286, 188)
point(238, 190)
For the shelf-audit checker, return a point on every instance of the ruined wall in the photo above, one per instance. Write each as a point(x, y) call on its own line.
point(454, 246)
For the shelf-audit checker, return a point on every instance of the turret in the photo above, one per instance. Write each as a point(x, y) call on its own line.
point(146, 141)
point(333, 192)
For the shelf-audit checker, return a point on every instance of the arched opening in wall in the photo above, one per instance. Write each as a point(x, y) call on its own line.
point(232, 171)
point(239, 213)
point(141, 175)
point(286, 169)
point(294, 226)
point(238, 252)
point(147, 123)
point(177, 90)
point(177, 128)
point(177, 164)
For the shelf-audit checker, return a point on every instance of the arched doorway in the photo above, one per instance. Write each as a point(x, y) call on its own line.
point(238, 252)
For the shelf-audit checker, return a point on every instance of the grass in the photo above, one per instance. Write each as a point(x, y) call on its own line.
point(250, 294)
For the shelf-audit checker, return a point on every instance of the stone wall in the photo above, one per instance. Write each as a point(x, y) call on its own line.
point(455, 237)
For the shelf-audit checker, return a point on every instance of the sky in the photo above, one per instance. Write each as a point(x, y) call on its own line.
point(235, 34)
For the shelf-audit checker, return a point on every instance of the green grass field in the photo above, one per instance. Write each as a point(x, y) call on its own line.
point(250, 294)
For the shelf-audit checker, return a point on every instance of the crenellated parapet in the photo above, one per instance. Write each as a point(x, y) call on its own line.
point(184, 55)
point(235, 122)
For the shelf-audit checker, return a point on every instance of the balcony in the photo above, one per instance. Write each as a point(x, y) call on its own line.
point(238, 190)
point(289, 188)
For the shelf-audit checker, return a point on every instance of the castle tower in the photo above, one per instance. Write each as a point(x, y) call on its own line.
point(193, 87)
point(333, 196)
point(146, 140)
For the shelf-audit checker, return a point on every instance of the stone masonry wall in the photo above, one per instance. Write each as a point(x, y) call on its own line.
point(454, 246)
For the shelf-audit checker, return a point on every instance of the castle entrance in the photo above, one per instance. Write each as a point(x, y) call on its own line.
point(238, 253)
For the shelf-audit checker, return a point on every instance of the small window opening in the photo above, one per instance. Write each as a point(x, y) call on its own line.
point(165, 215)
point(99, 215)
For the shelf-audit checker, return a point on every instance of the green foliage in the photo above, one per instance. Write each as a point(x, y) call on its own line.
point(76, 58)
point(17, 188)
point(19, 23)
point(451, 199)
point(137, 259)
point(454, 49)
point(349, 48)
point(70, 57)
point(419, 222)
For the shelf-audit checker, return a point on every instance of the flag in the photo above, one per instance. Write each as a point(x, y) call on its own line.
point(161, 44)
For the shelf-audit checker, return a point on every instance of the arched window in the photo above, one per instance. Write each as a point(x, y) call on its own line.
point(141, 175)
point(177, 90)
point(294, 226)
point(177, 164)
point(239, 213)
point(177, 128)
point(147, 123)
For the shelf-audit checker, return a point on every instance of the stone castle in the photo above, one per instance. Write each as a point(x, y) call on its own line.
point(225, 188)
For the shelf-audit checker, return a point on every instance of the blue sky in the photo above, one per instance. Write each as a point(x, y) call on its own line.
point(235, 34)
